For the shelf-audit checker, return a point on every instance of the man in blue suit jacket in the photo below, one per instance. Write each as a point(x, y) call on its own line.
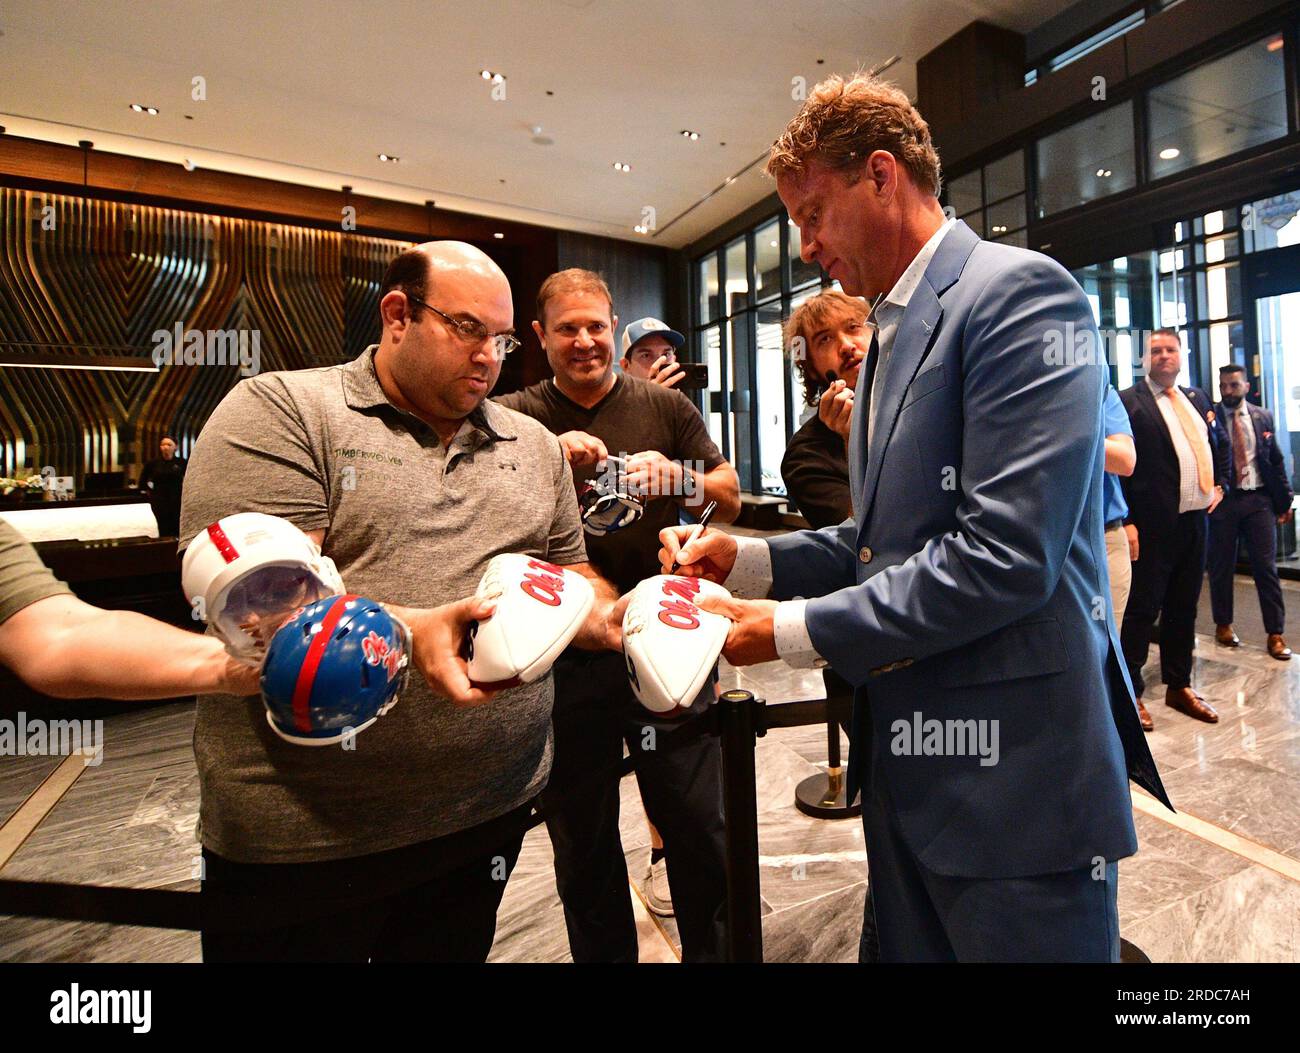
point(967, 600)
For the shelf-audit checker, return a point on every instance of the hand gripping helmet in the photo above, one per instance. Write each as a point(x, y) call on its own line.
point(608, 503)
point(334, 669)
point(252, 571)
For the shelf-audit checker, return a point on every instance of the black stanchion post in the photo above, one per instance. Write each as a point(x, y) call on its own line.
point(823, 795)
point(739, 724)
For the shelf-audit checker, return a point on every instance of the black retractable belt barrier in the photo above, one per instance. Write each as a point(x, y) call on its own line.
point(738, 719)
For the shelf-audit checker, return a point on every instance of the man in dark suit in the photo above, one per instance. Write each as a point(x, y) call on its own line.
point(1181, 473)
point(162, 479)
point(969, 590)
point(828, 337)
point(1259, 496)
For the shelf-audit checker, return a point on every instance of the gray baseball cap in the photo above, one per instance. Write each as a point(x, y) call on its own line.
point(644, 327)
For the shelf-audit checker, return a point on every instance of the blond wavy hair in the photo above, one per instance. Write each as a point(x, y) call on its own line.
point(844, 121)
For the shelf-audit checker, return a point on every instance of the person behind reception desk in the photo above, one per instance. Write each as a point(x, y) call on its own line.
point(961, 596)
point(66, 648)
point(162, 479)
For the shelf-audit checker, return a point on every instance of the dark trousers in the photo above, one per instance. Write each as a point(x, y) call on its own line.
point(1166, 584)
point(1246, 515)
point(595, 712)
point(922, 916)
point(167, 511)
point(380, 907)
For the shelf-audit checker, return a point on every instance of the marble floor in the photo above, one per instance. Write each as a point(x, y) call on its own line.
point(1219, 882)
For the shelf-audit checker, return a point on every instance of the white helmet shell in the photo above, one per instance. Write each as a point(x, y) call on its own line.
point(248, 573)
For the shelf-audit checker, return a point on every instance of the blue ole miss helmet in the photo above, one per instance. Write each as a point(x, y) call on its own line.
point(333, 669)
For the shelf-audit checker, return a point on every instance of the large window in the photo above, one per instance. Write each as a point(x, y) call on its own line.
point(1273, 223)
point(1221, 108)
point(991, 200)
point(1192, 285)
point(1086, 161)
point(1122, 294)
point(1092, 43)
point(755, 399)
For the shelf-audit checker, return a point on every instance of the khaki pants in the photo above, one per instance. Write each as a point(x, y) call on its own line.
point(1121, 570)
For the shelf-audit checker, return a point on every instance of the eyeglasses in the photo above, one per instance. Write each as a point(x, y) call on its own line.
point(473, 331)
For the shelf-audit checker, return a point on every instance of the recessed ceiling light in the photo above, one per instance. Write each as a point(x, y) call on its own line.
point(690, 135)
point(775, 244)
point(389, 158)
point(498, 235)
point(619, 166)
point(150, 110)
point(1169, 153)
point(640, 229)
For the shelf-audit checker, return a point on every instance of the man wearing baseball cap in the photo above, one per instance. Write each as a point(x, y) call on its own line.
point(650, 351)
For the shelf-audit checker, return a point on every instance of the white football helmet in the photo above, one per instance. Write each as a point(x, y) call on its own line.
point(248, 573)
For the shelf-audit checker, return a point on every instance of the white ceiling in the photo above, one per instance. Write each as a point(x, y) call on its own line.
point(311, 92)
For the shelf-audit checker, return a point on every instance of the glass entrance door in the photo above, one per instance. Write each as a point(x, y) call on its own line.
point(1276, 370)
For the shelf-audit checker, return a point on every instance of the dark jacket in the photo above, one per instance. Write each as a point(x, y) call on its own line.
point(1268, 455)
point(815, 469)
point(1152, 490)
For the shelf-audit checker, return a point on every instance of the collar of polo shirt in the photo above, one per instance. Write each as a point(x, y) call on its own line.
point(362, 390)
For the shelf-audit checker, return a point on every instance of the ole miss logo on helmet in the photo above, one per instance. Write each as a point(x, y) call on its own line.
point(546, 585)
point(680, 613)
point(378, 652)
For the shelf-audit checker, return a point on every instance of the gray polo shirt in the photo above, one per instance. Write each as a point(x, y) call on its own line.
point(408, 522)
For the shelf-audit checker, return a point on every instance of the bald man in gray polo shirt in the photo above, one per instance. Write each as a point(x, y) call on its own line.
point(411, 482)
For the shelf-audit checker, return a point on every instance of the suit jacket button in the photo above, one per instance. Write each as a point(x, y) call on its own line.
point(864, 554)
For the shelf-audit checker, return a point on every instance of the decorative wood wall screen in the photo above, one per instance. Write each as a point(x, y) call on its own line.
point(85, 281)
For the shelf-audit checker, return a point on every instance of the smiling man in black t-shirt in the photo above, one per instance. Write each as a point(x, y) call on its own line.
point(668, 456)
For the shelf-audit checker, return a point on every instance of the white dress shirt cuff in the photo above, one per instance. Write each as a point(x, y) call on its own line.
point(793, 644)
point(751, 577)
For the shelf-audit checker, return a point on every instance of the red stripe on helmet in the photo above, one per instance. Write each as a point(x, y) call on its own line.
point(315, 652)
point(228, 551)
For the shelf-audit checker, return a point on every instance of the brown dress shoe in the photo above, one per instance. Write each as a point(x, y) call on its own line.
point(1145, 717)
point(1277, 648)
point(1185, 700)
point(1225, 637)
